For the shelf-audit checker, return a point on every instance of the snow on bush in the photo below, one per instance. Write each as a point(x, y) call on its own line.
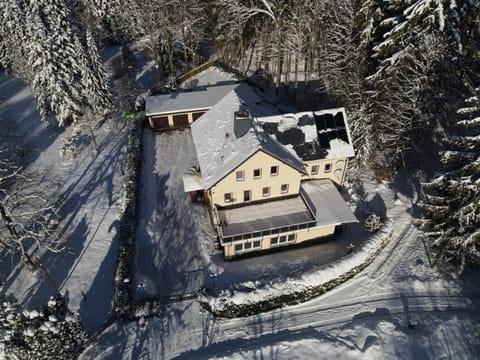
point(123, 298)
point(49, 333)
point(373, 223)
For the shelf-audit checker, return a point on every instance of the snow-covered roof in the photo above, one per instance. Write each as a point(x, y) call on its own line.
point(201, 98)
point(321, 192)
point(219, 151)
point(311, 135)
point(193, 182)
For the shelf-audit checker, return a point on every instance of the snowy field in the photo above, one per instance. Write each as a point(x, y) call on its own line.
point(86, 192)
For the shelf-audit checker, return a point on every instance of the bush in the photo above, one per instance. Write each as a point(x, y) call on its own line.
point(373, 223)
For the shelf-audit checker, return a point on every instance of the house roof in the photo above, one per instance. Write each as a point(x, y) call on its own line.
point(311, 135)
point(219, 151)
point(201, 98)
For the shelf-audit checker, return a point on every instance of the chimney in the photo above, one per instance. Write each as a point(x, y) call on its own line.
point(242, 123)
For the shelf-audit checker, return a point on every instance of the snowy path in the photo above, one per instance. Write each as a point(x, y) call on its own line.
point(375, 305)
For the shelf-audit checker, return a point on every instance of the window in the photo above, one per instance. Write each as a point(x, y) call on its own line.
point(314, 169)
point(227, 197)
point(328, 167)
point(274, 171)
point(257, 173)
point(266, 191)
point(284, 188)
point(282, 240)
point(248, 246)
point(246, 195)
point(240, 175)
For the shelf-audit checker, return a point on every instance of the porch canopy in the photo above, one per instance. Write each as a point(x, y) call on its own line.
point(193, 182)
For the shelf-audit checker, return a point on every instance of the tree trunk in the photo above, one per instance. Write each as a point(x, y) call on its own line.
point(279, 58)
point(295, 86)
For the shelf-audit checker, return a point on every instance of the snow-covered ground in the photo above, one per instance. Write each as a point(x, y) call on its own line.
point(397, 307)
point(366, 317)
point(86, 192)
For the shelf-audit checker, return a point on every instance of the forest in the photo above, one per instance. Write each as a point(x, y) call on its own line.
point(405, 70)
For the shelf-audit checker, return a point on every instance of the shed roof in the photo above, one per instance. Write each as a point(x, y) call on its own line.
point(219, 151)
point(202, 98)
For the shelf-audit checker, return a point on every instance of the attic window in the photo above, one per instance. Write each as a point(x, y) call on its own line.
point(274, 171)
point(240, 175)
point(257, 173)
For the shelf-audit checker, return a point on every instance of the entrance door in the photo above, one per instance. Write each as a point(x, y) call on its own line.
point(246, 195)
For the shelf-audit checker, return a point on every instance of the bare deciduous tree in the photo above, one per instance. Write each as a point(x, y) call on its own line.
point(27, 221)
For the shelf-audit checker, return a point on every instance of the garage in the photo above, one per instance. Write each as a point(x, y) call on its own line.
point(180, 120)
point(160, 122)
point(196, 115)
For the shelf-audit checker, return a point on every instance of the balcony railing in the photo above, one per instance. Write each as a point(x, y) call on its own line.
point(264, 233)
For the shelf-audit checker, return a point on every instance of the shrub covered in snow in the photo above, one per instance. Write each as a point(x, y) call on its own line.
point(122, 297)
point(373, 223)
point(49, 333)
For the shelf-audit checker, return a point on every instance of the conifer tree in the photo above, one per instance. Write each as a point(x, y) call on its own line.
point(452, 200)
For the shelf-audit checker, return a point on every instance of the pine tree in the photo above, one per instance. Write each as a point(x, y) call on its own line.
point(95, 81)
point(13, 36)
point(56, 83)
point(452, 200)
point(412, 41)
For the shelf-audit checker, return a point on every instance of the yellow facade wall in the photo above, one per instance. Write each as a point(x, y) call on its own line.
point(260, 160)
point(301, 236)
point(336, 173)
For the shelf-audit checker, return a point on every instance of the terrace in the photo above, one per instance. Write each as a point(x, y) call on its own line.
point(318, 205)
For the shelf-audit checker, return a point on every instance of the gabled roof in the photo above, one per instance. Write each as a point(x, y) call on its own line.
point(219, 152)
point(311, 135)
point(201, 98)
